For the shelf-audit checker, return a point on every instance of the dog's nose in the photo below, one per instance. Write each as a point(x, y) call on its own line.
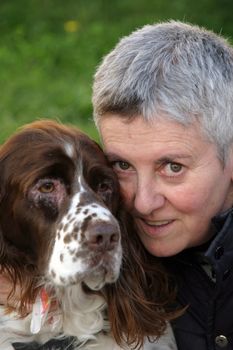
point(103, 236)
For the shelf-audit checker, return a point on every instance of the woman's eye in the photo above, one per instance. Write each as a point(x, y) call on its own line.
point(120, 165)
point(172, 169)
point(47, 187)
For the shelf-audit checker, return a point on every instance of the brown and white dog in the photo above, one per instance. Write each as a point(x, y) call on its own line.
point(57, 200)
point(59, 239)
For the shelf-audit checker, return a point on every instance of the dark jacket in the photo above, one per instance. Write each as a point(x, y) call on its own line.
point(208, 322)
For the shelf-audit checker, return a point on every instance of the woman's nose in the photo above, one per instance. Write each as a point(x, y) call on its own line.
point(147, 199)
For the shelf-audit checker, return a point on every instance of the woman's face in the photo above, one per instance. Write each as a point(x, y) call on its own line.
point(171, 179)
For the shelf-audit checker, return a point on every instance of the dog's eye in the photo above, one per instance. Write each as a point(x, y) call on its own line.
point(103, 187)
point(47, 187)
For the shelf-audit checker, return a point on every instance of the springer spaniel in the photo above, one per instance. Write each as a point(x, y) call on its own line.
point(58, 197)
point(59, 238)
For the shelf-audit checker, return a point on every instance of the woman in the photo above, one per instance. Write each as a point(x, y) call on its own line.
point(163, 104)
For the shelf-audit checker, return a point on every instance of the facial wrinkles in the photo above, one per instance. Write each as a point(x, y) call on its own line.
point(147, 149)
point(192, 197)
point(135, 146)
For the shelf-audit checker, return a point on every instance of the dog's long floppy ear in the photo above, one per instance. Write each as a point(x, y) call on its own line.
point(5, 176)
point(3, 184)
point(8, 163)
point(2, 175)
point(2, 196)
point(9, 258)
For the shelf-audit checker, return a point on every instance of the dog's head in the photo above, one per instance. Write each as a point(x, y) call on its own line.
point(58, 196)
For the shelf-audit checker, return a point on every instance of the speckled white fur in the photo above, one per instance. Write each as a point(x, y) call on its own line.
point(67, 259)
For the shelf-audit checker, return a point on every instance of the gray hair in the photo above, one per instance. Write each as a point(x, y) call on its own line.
point(173, 69)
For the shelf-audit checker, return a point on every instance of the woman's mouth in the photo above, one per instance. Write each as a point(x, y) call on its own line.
point(155, 227)
point(157, 223)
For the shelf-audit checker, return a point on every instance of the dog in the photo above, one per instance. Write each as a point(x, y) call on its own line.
point(59, 238)
point(58, 197)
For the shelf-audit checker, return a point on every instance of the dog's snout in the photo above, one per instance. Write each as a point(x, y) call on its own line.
point(103, 236)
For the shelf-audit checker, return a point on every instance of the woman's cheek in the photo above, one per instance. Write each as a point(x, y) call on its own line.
point(189, 199)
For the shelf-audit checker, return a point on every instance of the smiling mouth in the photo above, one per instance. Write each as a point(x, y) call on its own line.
point(157, 223)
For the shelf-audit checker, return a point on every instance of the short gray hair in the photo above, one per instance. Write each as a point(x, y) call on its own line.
point(174, 69)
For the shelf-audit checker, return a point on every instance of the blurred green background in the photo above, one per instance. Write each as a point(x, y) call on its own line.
point(49, 50)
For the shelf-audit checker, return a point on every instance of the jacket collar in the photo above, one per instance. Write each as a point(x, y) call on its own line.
point(215, 256)
point(220, 250)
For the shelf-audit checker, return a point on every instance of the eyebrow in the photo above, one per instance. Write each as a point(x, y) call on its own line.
point(172, 156)
point(112, 155)
point(168, 158)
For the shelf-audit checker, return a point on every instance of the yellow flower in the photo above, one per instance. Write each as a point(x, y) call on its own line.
point(71, 26)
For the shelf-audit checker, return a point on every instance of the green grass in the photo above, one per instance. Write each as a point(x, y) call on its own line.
point(46, 71)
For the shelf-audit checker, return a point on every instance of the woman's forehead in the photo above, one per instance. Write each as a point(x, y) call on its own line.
point(165, 139)
point(114, 129)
